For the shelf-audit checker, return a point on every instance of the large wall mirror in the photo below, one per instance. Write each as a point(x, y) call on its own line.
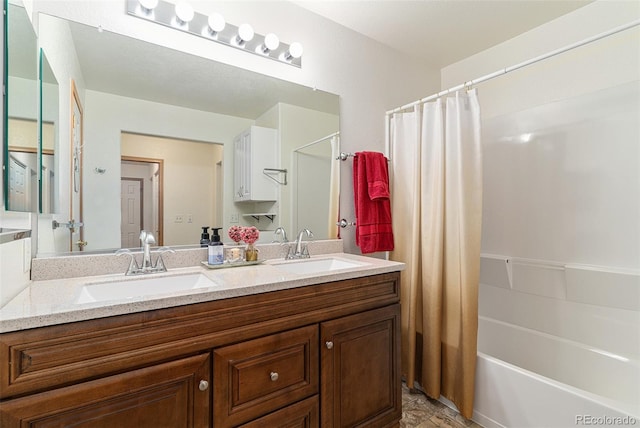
point(20, 160)
point(154, 149)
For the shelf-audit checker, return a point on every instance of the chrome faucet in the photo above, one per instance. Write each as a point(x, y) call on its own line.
point(146, 239)
point(300, 251)
point(147, 266)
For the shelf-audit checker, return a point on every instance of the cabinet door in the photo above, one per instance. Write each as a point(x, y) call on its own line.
point(174, 394)
point(242, 166)
point(254, 150)
point(360, 367)
point(262, 154)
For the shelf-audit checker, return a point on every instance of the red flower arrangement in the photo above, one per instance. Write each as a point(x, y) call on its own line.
point(235, 233)
point(250, 234)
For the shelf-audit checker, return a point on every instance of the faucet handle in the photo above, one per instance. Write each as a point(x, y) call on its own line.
point(160, 266)
point(133, 264)
point(280, 231)
point(290, 252)
point(305, 251)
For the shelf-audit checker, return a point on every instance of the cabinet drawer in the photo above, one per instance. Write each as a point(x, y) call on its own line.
point(259, 376)
point(304, 414)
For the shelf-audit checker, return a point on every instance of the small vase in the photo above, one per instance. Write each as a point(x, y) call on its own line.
point(251, 253)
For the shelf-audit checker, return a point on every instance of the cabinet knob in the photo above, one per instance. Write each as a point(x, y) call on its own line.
point(329, 345)
point(274, 376)
point(203, 385)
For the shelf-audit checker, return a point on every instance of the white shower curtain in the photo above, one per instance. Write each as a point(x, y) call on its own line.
point(437, 216)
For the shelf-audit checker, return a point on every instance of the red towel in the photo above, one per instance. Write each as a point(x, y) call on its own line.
point(373, 208)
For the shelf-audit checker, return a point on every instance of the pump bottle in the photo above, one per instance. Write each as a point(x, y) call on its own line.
point(216, 249)
point(204, 238)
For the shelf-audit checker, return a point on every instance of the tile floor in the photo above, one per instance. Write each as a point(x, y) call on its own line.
point(418, 411)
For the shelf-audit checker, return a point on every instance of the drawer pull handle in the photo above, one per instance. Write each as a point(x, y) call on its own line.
point(203, 385)
point(329, 345)
point(274, 376)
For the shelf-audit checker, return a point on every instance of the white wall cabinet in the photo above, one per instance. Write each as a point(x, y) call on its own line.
point(254, 150)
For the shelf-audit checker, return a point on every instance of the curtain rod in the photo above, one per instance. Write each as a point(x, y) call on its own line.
point(317, 141)
point(517, 66)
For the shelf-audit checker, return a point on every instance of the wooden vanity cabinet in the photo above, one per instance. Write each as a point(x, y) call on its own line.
point(322, 355)
point(174, 394)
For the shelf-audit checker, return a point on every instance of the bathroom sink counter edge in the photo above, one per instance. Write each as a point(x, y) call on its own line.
point(51, 302)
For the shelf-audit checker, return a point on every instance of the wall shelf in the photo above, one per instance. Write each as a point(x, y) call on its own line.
point(257, 216)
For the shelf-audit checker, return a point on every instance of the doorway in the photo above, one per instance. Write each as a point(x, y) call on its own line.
point(141, 199)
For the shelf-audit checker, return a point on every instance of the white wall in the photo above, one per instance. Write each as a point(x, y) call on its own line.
point(587, 70)
point(370, 77)
point(23, 98)
point(14, 275)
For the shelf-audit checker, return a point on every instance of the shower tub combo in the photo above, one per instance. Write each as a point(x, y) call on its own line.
point(560, 360)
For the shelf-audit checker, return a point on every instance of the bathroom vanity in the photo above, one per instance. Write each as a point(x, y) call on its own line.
point(298, 350)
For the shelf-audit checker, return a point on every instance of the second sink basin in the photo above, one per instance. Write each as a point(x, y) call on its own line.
point(140, 287)
point(319, 265)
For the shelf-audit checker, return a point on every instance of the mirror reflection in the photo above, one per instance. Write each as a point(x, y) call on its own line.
point(49, 99)
point(21, 163)
point(157, 150)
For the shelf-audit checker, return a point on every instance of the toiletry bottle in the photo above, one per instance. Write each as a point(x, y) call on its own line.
point(204, 238)
point(216, 249)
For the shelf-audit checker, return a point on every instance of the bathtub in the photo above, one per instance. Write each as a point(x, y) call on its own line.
point(526, 378)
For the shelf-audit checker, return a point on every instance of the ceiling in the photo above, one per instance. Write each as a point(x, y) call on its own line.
point(441, 31)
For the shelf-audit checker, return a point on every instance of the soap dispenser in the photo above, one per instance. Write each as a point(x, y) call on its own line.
point(216, 249)
point(204, 238)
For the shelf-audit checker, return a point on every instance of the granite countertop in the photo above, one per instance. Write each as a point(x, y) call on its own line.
point(52, 302)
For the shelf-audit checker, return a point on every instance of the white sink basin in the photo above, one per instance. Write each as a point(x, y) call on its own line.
point(308, 266)
point(140, 287)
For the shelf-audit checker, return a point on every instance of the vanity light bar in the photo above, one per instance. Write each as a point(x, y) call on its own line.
point(240, 37)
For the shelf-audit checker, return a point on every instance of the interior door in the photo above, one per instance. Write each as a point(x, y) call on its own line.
point(130, 211)
point(17, 185)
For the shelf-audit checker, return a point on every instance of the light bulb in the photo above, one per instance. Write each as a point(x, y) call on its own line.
point(148, 5)
point(216, 22)
point(271, 41)
point(184, 13)
point(295, 51)
point(245, 34)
